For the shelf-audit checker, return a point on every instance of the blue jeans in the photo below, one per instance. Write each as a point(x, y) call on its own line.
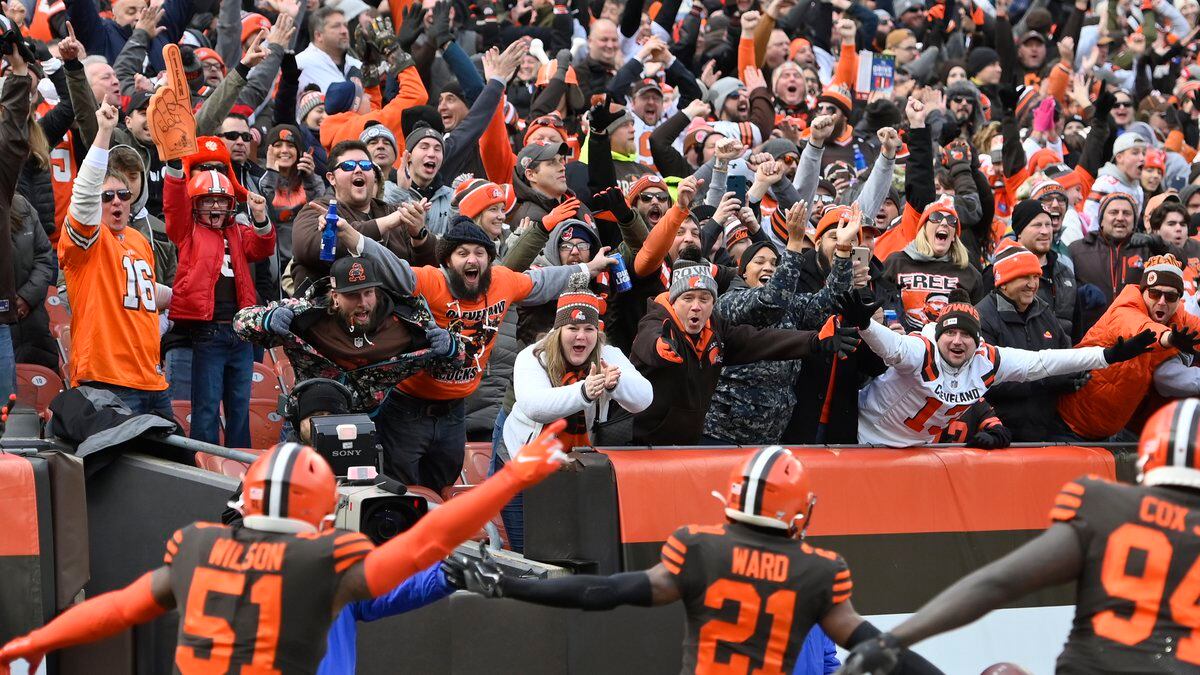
point(221, 368)
point(140, 401)
point(513, 512)
point(179, 373)
point(8, 365)
point(424, 441)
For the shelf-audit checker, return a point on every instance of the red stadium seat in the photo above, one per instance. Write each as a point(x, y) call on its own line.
point(264, 382)
point(37, 386)
point(57, 310)
point(224, 465)
point(265, 423)
point(453, 491)
point(428, 494)
point(477, 462)
point(183, 415)
point(287, 376)
point(64, 347)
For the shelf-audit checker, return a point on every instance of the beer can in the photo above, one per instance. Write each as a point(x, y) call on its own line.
point(620, 274)
point(890, 316)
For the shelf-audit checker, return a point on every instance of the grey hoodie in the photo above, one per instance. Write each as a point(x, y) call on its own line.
point(166, 257)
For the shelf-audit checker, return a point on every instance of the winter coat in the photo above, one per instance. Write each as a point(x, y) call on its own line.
point(1108, 265)
point(540, 401)
point(14, 148)
point(813, 395)
point(1026, 408)
point(34, 270)
point(35, 186)
point(437, 219)
point(753, 403)
point(594, 76)
point(926, 282)
point(285, 198)
point(534, 205)
point(370, 383)
point(484, 404)
point(202, 255)
point(1107, 402)
point(306, 238)
point(684, 369)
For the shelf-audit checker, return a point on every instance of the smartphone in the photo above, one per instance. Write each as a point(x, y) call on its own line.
point(861, 254)
point(737, 185)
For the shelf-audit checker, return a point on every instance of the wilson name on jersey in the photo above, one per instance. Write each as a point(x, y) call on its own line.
point(1138, 594)
point(751, 596)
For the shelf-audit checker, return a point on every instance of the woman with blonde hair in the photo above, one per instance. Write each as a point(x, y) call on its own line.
point(934, 263)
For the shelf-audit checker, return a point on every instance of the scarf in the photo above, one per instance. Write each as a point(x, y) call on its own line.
point(576, 433)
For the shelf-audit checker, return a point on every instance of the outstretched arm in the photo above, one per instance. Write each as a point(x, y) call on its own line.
point(596, 593)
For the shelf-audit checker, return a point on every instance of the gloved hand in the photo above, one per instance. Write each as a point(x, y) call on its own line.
point(441, 32)
point(992, 438)
point(601, 117)
point(1079, 380)
point(613, 200)
point(1009, 98)
point(877, 655)
point(957, 151)
point(843, 341)
point(1124, 350)
point(563, 211)
point(410, 30)
point(1105, 101)
point(1155, 243)
point(1043, 116)
point(480, 575)
point(1091, 297)
point(856, 311)
point(279, 320)
point(441, 341)
point(540, 457)
point(1183, 339)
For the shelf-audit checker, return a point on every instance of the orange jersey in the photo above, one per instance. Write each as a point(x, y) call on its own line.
point(63, 164)
point(478, 321)
point(114, 313)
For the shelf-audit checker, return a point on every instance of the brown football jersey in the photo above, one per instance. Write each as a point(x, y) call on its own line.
point(254, 602)
point(1137, 596)
point(751, 596)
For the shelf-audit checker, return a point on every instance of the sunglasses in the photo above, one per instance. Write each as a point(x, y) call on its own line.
point(824, 199)
point(211, 166)
point(552, 121)
point(567, 247)
point(960, 99)
point(1155, 295)
point(826, 109)
point(647, 197)
point(943, 217)
point(109, 195)
point(1123, 104)
point(352, 164)
point(246, 136)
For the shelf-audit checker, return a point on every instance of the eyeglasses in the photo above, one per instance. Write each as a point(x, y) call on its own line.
point(109, 195)
point(656, 196)
point(1123, 104)
point(553, 121)
point(826, 109)
point(245, 136)
point(352, 164)
point(1155, 295)
point(943, 217)
point(568, 246)
point(1052, 198)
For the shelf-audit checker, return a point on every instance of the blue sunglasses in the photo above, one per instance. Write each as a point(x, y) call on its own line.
point(351, 164)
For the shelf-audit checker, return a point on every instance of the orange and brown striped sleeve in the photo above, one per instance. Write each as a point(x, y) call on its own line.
point(843, 585)
point(173, 547)
point(1067, 502)
point(350, 548)
point(673, 555)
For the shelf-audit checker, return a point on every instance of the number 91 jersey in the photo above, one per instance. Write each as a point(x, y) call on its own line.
point(253, 602)
point(1137, 597)
point(751, 596)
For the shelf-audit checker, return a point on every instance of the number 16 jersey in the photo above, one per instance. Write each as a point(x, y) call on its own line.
point(1136, 599)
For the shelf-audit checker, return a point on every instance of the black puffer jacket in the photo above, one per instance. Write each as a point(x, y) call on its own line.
point(1026, 408)
point(34, 185)
point(34, 270)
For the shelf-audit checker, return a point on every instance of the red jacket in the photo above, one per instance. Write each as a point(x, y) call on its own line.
point(201, 253)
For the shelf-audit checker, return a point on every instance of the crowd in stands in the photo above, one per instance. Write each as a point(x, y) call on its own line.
point(670, 223)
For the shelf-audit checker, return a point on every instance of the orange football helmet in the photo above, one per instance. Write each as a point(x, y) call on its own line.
point(1169, 450)
point(770, 489)
point(290, 481)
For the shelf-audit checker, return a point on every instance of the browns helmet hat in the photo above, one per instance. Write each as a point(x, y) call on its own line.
point(1167, 451)
point(291, 482)
point(770, 489)
point(212, 183)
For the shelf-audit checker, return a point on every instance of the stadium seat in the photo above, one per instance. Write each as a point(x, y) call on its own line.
point(477, 462)
point(264, 382)
point(265, 422)
point(37, 386)
point(57, 310)
point(453, 491)
point(287, 376)
point(429, 495)
point(183, 415)
point(64, 347)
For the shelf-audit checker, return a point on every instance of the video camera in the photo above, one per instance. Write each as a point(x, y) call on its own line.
point(345, 441)
point(378, 512)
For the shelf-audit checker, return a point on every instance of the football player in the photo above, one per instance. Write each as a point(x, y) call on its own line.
point(232, 584)
point(930, 383)
point(752, 587)
point(1131, 549)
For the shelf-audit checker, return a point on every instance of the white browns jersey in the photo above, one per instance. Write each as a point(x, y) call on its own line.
point(920, 395)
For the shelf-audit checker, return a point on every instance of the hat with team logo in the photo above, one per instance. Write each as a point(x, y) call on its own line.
point(960, 314)
point(1163, 270)
point(577, 304)
point(690, 275)
point(352, 274)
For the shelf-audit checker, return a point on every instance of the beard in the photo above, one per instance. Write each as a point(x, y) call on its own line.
point(458, 284)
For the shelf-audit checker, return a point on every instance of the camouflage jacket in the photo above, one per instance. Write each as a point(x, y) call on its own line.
point(753, 403)
point(370, 383)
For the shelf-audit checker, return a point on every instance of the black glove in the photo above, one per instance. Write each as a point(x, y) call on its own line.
point(1184, 339)
point(410, 30)
point(601, 116)
point(564, 60)
point(1104, 103)
point(856, 311)
point(441, 32)
point(877, 655)
point(613, 200)
point(1079, 380)
point(1009, 98)
point(1132, 348)
point(843, 341)
point(991, 438)
point(1153, 242)
point(480, 576)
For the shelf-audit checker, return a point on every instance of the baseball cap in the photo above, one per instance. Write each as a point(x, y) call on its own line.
point(540, 152)
point(1032, 35)
point(137, 101)
point(645, 84)
point(350, 274)
point(1127, 141)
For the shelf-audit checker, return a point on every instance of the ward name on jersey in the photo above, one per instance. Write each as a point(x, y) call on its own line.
point(921, 395)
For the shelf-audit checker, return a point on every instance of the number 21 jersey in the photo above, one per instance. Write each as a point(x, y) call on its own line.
point(1137, 594)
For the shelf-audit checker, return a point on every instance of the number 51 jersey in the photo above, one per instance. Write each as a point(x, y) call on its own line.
point(751, 596)
point(1137, 596)
point(253, 602)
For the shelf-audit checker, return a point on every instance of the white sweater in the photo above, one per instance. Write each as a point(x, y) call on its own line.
point(540, 401)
